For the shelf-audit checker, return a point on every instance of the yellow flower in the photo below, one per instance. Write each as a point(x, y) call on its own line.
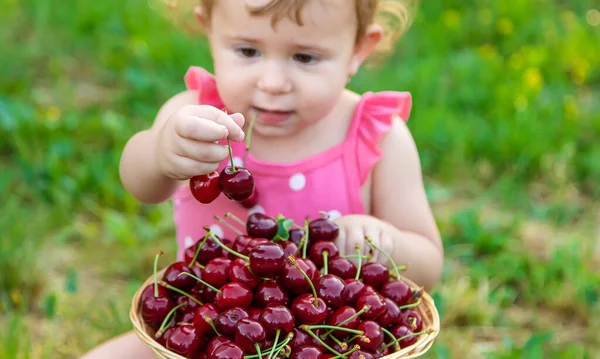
point(533, 78)
point(505, 26)
point(570, 107)
point(451, 18)
point(581, 69)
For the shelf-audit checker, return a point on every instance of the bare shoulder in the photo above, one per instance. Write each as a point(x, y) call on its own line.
point(398, 190)
point(173, 104)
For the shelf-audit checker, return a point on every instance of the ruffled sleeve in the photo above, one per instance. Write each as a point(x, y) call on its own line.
point(375, 118)
point(198, 79)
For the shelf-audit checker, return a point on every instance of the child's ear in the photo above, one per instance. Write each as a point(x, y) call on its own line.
point(201, 17)
point(365, 46)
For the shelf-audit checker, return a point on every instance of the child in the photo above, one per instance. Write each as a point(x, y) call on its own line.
point(316, 146)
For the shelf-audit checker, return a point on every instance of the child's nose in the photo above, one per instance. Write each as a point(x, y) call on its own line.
point(274, 80)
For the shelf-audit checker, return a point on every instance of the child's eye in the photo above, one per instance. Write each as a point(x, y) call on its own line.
point(247, 52)
point(305, 58)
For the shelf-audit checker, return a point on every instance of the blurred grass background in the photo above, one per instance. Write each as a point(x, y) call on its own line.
point(506, 117)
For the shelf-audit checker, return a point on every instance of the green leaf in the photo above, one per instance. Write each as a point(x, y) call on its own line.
point(283, 228)
point(534, 348)
point(49, 306)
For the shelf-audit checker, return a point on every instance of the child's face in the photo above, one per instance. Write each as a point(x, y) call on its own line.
point(294, 75)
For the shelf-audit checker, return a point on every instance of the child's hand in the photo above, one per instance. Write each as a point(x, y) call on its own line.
point(353, 230)
point(187, 145)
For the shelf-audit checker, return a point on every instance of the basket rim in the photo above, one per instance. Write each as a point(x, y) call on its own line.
point(419, 348)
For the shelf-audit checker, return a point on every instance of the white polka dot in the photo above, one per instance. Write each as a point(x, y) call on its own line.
point(238, 161)
point(217, 230)
point(334, 214)
point(256, 209)
point(188, 242)
point(297, 182)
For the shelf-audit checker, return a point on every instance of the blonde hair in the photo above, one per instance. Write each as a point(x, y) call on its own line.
point(395, 16)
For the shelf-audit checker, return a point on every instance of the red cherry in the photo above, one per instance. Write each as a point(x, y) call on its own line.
point(228, 351)
point(354, 288)
point(205, 188)
point(162, 340)
point(252, 200)
point(342, 267)
point(305, 310)
point(375, 274)
point(397, 290)
point(294, 280)
point(269, 292)
point(155, 310)
point(185, 341)
point(308, 352)
point(277, 318)
point(248, 333)
point(267, 260)
point(172, 276)
point(233, 295)
point(239, 272)
point(361, 354)
point(289, 248)
point(260, 225)
point(254, 313)
point(296, 235)
point(317, 249)
point(323, 229)
point(391, 317)
point(412, 320)
point(209, 311)
point(214, 343)
point(332, 289)
point(340, 315)
point(372, 333)
point(149, 292)
point(210, 249)
point(300, 339)
point(376, 305)
point(216, 272)
point(236, 183)
point(226, 321)
point(401, 331)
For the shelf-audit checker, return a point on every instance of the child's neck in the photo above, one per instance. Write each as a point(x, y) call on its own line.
point(312, 140)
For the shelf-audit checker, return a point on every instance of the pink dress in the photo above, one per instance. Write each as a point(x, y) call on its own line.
point(329, 181)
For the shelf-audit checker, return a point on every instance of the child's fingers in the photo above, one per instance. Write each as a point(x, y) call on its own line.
point(202, 151)
point(220, 117)
point(200, 129)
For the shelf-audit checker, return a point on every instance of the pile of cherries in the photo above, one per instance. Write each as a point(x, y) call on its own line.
point(279, 290)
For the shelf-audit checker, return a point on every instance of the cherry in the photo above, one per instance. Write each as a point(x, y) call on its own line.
point(157, 304)
point(149, 292)
point(360, 354)
point(185, 340)
point(260, 225)
point(249, 333)
point(240, 244)
point(237, 183)
point(342, 268)
point(205, 188)
point(323, 229)
point(309, 310)
point(226, 321)
point(172, 276)
point(254, 313)
point(397, 290)
point(375, 274)
point(233, 295)
point(412, 320)
point(322, 249)
point(205, 312)
point(344, 314)
point(214, 343)
point(250, 201)
point(267, 260)
point(354, 288)
point(391, 317)
point(239, 272)
point(405, 335)
point(294, 280)
point(300, 339)
point(277, 318)
point(289, 248)
point(332, 289)
point(228, 351)
point(216, 271)
point(376, 303)
point(307, 352)
point(296, 235)
point(206, 250)
point(372, 337)
point(270, 292)
point(162, 340)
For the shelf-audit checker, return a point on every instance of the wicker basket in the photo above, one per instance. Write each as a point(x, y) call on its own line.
point(427, 310)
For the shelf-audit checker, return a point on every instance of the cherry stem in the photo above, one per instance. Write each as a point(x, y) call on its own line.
point(300, 245)
point(249, 135)
point(235, 218)
point(306, 328)
point(257, 347)
point(198, 251)
point(411, 305)
point(233, 170)
point(364, 309)
point(228, 225)
point(342, 345)
point(199, 280)
point(312, 287)
point(346, 354)
point(396, 340)
point(389, 334)
point(214, 238)
point(156, 273)
point(389, 258)
point(359, 265)
point(325, 255)
point(356, 337)
point(167, 320)
point(212, 325)
point(274, 343)
point(281, 346)
point(324, 214)
point(335, 327)
point(306, 237)
point(413, 322)
point(174, 289)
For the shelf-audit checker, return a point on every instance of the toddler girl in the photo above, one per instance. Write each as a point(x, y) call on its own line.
point(315, 147)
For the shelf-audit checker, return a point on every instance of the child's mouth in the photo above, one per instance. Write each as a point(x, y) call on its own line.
point(272, 117)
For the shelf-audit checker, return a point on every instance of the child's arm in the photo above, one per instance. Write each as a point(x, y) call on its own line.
point(179, 145)
point(399, 198)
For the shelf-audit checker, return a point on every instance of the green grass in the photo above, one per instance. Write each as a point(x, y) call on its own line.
point(506, 116)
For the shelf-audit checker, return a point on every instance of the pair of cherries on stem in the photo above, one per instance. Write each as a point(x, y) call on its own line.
point(236, 183)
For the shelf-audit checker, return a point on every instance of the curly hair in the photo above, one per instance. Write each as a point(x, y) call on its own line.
point(395, 16)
